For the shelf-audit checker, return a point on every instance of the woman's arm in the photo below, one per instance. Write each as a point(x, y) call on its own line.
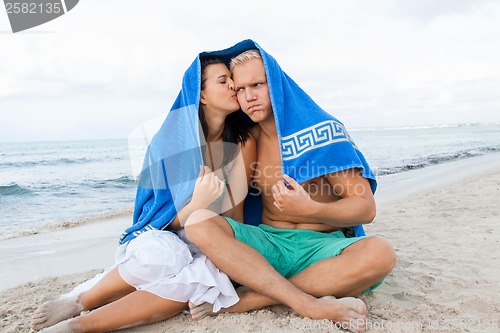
point(204, 195)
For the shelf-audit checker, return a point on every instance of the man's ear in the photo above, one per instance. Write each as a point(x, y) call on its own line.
point(203, 100)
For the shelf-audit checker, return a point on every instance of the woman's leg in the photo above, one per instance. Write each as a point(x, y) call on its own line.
point(110, 288)
point(137, 308)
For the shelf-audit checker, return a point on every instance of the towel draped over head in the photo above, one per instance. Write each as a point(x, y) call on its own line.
point(313, 143)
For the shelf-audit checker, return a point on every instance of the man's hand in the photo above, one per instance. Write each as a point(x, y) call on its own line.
point(293, 200)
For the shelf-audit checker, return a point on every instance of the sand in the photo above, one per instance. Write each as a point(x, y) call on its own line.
point(444, 222)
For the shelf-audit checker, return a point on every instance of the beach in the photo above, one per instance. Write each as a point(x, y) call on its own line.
point(443, 220)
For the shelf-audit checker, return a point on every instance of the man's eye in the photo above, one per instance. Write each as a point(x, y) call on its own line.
point(239, 90)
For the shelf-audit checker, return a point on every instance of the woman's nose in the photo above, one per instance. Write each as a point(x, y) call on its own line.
point(231, 84)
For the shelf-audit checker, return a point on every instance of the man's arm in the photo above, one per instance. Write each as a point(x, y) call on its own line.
point(355, 206)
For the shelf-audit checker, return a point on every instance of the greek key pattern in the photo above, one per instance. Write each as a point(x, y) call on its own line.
point(317, 136)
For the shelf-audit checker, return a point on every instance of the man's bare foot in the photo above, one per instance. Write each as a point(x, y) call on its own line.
point(201, 311)
point(52, 312)
point(348, 313)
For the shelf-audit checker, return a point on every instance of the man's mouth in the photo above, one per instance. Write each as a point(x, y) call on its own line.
point(252, 108)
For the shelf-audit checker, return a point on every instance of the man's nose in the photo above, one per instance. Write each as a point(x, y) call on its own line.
point(250, 95)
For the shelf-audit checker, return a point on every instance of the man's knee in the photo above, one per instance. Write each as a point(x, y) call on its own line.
point(381, 254)
point(198, 216)
point(374, 255)
point(198, 224)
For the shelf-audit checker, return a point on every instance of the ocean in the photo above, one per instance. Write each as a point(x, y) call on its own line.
point(61, 183)
point(57, 184)
point(394, 150)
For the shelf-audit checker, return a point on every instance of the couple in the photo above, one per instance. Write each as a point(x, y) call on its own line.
point(299, 254)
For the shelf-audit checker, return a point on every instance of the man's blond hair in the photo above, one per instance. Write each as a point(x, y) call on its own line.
point(244, 56)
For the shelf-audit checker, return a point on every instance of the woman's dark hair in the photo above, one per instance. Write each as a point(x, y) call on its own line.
point(235, 126)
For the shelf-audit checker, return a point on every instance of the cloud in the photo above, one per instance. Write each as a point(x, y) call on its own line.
point(388, 62)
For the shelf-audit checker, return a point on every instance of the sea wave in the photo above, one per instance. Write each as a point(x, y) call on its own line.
point(121, 182)
point(47, 227)
point(59, 161)
point(437, 159)
point(14, 189)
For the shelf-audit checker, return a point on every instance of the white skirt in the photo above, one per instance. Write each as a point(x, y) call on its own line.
point(161, 263)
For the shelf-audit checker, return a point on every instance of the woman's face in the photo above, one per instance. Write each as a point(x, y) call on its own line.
point(218, 95)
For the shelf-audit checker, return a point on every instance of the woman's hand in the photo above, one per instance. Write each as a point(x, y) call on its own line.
point(207, 189)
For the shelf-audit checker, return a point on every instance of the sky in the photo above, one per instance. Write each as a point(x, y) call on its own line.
point(106, 67)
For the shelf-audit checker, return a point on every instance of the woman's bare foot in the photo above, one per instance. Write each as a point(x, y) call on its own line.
point(62, 327)
point(348, 313)
point(52, 312)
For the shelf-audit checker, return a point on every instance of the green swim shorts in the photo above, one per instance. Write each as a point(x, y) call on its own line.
point(290, 251)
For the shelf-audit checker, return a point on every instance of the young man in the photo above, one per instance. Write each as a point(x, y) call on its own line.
point(301, 232)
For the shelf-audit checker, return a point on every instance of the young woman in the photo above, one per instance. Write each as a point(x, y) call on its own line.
point(158, 272)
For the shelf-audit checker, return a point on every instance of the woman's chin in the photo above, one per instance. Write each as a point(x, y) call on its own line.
point(233, 110)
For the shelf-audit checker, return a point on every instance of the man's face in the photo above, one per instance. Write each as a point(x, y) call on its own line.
point(252, 90)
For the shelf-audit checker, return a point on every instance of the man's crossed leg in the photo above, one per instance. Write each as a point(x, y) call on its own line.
point(360, 266)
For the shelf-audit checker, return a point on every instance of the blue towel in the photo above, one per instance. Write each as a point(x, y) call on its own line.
point(171, 162)
point(313, 143)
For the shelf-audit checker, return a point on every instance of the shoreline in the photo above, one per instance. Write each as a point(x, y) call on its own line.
point(63, 225)
point(72, 250)
point(395, 186)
